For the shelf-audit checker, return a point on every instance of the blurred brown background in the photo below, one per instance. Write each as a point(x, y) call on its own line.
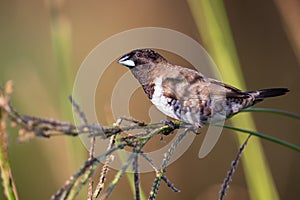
point(28, 57)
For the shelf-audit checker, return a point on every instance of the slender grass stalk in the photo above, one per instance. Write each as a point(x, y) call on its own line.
point(130, 177)
point(233, 168)
point(213, 25)
point(167, 157)
point(138, 149)
point(8, 183)
point(135, 167)
point(7, 180)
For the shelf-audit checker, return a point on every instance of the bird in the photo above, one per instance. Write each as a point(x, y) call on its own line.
point(187, 95)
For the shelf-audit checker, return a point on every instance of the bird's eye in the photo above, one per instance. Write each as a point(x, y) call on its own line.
point(139, 55)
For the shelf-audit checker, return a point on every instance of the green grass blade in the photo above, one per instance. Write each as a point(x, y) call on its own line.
point(263, 136)
point(274, 111)
point(7, 181)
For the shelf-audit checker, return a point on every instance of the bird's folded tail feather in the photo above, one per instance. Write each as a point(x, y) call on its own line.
point(271, 92)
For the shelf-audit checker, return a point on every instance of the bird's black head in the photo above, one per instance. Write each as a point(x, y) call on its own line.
point(140, 57)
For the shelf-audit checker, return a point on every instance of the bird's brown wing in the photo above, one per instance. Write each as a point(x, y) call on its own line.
point(229, 91)
point(184, 84)
point(188, 90)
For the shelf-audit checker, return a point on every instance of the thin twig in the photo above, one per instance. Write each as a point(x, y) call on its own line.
point(84, 121)
point(105, 168)
point(117, 178)
point(234, 165)
point(79, 112)
point(91, 152)
point(167, 157)
point(136, 176)
point(164, 178)
point(72, 185)
point(121, 172)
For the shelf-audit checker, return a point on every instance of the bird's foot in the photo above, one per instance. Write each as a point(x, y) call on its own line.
point(197, 128)
point(171, 124)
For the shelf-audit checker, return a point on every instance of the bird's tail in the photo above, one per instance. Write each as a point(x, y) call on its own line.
point(266, 93)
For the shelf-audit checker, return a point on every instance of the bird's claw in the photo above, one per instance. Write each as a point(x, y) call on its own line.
point(169, 123)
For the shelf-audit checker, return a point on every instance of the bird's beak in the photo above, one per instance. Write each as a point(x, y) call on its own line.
point(126, 61)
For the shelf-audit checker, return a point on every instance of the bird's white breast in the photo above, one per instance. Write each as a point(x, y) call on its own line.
point(161, 102)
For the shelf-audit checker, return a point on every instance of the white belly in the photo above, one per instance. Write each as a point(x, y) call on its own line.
point(161, 102)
